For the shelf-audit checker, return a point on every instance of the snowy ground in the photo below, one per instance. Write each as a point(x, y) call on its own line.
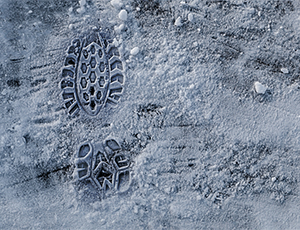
point(209, 115)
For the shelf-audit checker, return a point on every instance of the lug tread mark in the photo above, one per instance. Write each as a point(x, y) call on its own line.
point(117, 77)
point(69, 103)
point(112, 51)
point(105, 166)
point(91, 70)
point(68, 72)
point(74, 109)
point(66, 83)
point(117, 64)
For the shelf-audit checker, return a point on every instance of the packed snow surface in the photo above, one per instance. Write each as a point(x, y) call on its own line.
point(207, 118)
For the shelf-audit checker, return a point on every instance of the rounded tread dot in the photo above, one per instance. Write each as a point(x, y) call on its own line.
point(93, 62)
point(83, 68)
point(83, 82)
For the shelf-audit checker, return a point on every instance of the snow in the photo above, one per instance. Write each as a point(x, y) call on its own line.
point(260, 88)
point(209, 115)
point(123, 15)
point(134, 51)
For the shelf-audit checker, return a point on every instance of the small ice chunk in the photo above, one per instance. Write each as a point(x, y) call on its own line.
point(116, 3)
point(284, 70)
point(138, 9)
point(135, 51)
point(259, 88)
point(178, 22)
point(123, 15)
point(30, 12)
point(190, 17)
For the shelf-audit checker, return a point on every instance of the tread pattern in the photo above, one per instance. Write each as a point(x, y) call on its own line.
point(104, 166)
point(92, 75)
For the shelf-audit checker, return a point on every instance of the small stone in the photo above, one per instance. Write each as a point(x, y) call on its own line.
point(123, 15)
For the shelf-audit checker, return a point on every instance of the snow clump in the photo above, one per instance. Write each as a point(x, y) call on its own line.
point(82, 4)
point(123, 15)
point(178, 22)
point(284, 70)
point(190, 17)
point(116, 3)
point(135, 51)
point(259, 88)
point(119, 28)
